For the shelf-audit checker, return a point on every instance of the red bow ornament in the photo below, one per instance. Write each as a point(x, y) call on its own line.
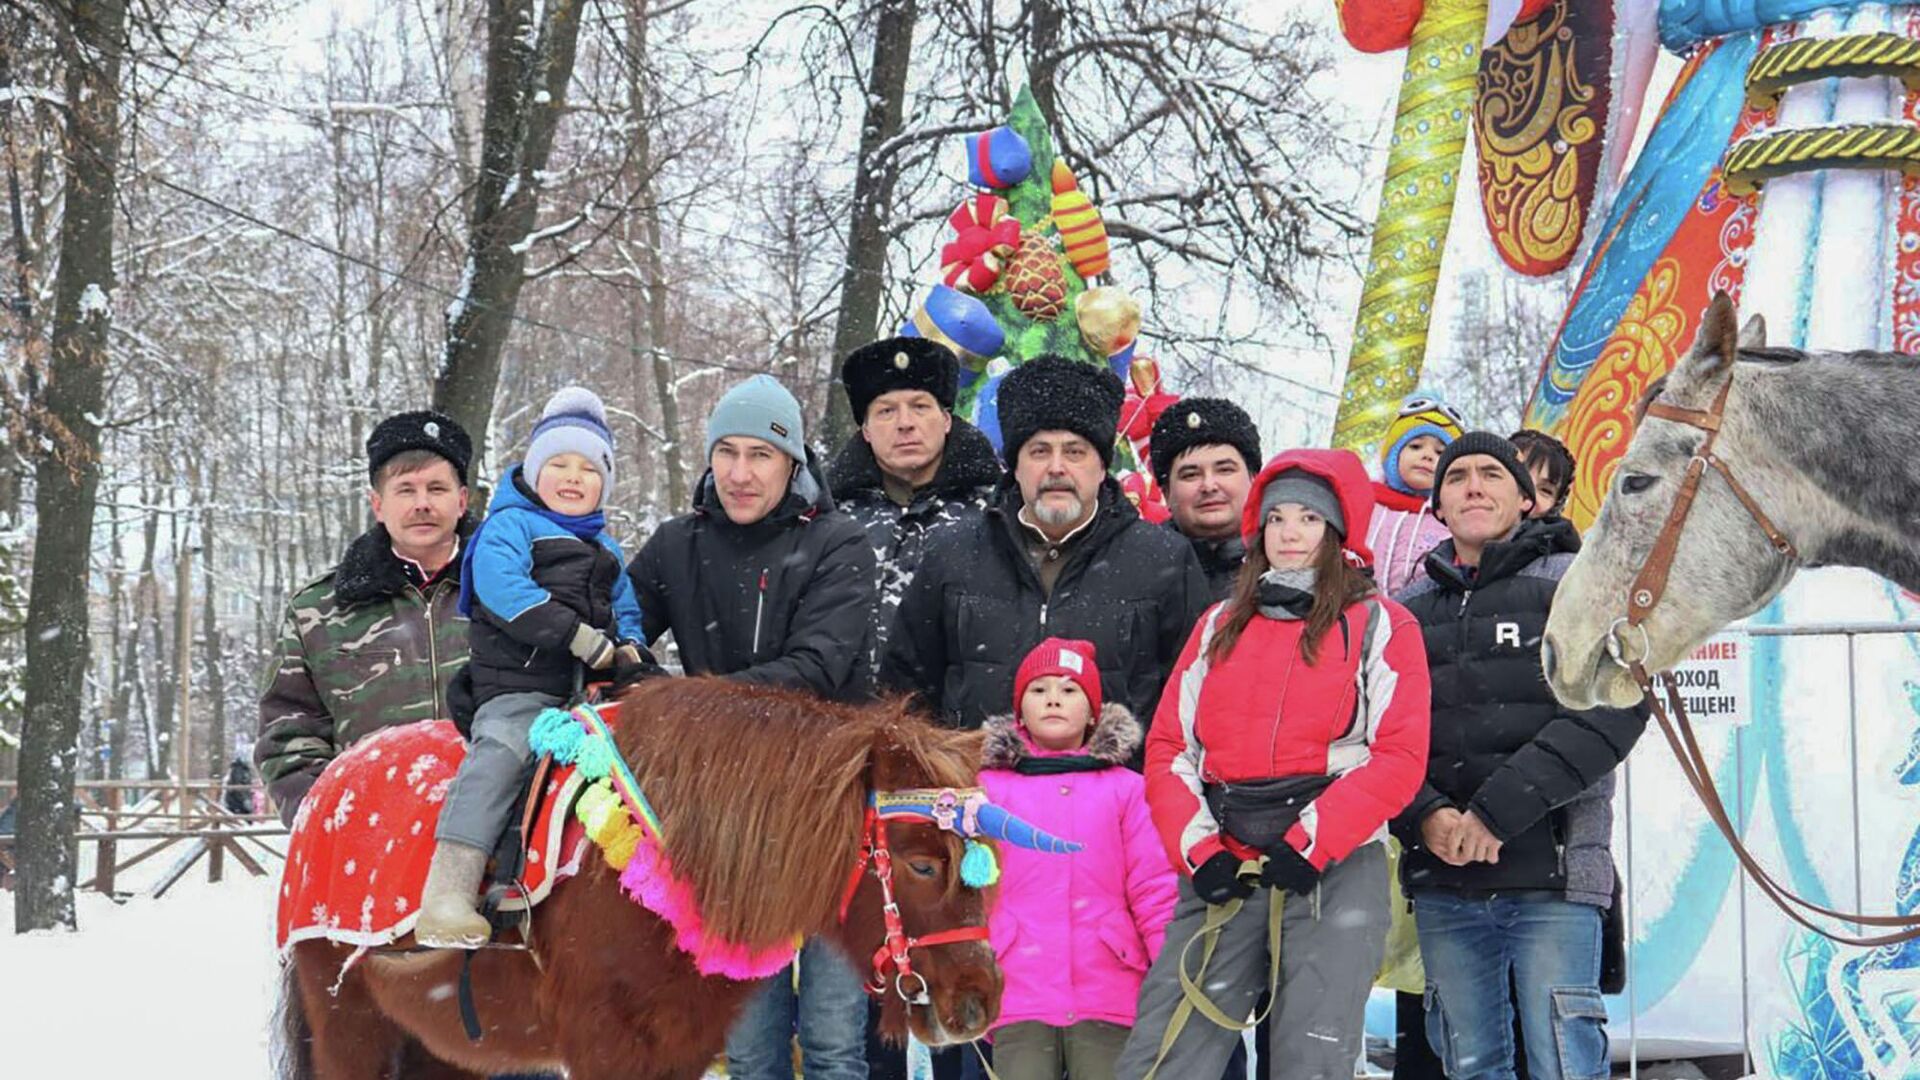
point(985, 236)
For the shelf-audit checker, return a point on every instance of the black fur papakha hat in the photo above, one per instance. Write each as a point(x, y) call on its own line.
point(1482, 442)
point(1202, 421)
point(424, 429)
point(1052, 393)
point(899, 363)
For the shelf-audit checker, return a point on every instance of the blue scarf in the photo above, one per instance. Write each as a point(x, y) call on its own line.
point(585, 526)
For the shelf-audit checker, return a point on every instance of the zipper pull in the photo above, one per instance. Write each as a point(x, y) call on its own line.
point(1464, 597)
point(763, 582)
point(1043, 615)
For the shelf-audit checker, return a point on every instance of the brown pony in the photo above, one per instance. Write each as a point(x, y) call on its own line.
point(762, 794)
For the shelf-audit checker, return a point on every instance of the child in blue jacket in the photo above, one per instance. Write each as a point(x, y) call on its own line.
point(543, 585)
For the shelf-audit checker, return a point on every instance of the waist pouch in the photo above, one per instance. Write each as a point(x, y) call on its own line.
point(1258, 813)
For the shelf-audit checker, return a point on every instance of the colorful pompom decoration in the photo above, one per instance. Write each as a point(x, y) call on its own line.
point(985, 236)
point(618, 847)
point(597, 805)
point(998, 159)
point(1081, 230)
point(555, 732)
point(595, 756)
point(978, 867)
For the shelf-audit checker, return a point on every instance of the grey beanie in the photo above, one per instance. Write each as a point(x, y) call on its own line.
point(1301, 486)
point(759, 408)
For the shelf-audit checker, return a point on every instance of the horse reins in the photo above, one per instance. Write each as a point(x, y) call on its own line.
point(892, 958)
point(1648, 589)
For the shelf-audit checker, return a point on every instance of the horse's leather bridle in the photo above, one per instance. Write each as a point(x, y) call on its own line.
point(891, 962)
point(1648, 589)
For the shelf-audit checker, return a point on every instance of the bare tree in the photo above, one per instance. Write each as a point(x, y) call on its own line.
point(67, 474)
point(528, 68)
point(1501, 329)
point(875, 170)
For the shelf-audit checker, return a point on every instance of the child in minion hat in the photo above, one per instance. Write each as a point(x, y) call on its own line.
point(1404, 528)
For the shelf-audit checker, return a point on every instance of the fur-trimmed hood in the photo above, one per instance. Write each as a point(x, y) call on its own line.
point(1115, 738)
point(371, 571)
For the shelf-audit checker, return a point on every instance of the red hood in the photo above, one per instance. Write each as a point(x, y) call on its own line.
point(1343, 472)
point(1394, 499)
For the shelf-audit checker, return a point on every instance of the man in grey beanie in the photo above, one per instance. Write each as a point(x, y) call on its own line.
point(766, 582)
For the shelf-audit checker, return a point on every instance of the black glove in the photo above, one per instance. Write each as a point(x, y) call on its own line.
point(633, 664)
point(1288, 870)
point(1218, 879)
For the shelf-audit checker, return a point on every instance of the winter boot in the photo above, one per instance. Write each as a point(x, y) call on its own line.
point(447, 916)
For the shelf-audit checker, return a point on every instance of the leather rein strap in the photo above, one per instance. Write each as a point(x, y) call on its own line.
point(1693, 764)
point(1650, 585)
point(1648, 589)
point(893, 957)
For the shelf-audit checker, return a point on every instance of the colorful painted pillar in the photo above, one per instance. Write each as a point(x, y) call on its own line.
point(1430, 129)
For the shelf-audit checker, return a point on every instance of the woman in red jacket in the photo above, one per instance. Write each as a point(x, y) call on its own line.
point(1292, 729)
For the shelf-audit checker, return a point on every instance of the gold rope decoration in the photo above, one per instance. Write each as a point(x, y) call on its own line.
point(1755, 160)
point(1850, 56)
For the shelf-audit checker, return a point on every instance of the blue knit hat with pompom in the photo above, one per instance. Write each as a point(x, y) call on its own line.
point(574, 421)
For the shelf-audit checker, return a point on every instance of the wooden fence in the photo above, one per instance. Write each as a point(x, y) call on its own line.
point(151, 817)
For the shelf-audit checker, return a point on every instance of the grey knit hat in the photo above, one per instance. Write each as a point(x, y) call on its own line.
point(759, 408)
point(1301, 486)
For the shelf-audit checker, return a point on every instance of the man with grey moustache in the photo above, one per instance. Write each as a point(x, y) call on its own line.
point(1061, 552)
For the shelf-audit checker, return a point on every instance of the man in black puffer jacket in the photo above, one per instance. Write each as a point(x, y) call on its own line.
point(913, 469)
point(765, 581)
point(1508, 856)
point(1061, 553)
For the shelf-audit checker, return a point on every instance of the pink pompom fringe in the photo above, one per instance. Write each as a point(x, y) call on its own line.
point(649, 880)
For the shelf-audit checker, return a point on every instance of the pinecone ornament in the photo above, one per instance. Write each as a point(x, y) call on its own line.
point(1034, 279)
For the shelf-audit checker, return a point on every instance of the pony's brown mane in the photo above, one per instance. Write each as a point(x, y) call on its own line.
point(761, 792)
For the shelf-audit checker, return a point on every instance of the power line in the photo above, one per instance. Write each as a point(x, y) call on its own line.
point(310, 113)
point(449, 294)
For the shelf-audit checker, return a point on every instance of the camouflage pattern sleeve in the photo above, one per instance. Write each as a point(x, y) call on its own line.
point(296, 730)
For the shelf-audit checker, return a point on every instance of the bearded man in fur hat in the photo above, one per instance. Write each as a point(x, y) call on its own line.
point(1060, 552)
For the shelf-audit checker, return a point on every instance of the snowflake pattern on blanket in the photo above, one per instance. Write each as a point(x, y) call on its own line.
point(358, 855)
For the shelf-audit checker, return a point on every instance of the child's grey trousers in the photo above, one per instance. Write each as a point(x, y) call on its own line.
point(484, 790)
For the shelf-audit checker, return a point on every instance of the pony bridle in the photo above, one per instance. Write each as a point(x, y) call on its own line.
point(964, 812)
point(1650, 585)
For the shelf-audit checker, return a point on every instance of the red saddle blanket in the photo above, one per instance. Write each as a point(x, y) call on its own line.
point(358, 855)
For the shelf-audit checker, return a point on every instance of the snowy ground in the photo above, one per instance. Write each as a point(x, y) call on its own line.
point(180, 986)
point(183, 985)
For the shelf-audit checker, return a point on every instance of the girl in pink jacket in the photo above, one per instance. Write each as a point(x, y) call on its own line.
point(1074, 934)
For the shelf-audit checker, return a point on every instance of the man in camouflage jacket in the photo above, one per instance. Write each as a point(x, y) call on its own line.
point(376, 640)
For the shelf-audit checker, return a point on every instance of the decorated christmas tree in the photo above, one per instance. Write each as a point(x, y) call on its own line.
point(1017, 274)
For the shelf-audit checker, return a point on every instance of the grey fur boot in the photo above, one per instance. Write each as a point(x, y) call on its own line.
point(447, 916)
